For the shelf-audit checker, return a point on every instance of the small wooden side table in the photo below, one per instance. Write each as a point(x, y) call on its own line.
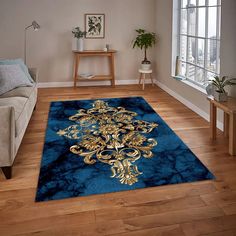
point(229, 109)
point(95, 53)
point(143, 74)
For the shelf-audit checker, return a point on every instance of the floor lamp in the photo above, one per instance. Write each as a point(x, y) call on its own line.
point(36, 27)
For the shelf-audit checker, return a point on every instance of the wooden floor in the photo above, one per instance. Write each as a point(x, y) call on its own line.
point(200, 208)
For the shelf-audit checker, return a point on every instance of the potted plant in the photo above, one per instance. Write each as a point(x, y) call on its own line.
point(144, 40)
point(79, 35)
point(219, 92)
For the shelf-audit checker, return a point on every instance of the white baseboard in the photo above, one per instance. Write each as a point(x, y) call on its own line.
point(54, 84)
point(89, 83)
point(188, 104)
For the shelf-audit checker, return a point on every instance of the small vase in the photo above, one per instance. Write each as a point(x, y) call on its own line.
point(80, 44)
point(177, 67)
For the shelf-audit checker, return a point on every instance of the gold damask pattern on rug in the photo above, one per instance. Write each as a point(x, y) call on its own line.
point(113, 136)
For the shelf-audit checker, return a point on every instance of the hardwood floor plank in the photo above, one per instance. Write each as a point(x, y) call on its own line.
point(220, 199)
point(209, 226)
point(170, 218)
point(230, 209)
point(223, 233)
point(20, 225)
point(173, 230)
point(149, 208)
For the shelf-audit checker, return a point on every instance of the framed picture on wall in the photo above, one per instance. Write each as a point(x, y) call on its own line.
point(95, 26)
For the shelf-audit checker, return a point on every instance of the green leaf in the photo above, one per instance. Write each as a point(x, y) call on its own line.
point(220, 83)
point(144, 39)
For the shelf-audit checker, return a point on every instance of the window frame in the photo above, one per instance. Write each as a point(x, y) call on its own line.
point(196, 37)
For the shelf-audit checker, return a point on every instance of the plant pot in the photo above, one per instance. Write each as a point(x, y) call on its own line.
point(80, 44)
point(220, 97)
point(146, 66)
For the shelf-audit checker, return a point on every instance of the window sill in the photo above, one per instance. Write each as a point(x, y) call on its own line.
point(183, 80)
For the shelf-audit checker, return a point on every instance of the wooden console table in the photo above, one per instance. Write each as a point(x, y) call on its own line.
point(229, 109)
point(100, 53)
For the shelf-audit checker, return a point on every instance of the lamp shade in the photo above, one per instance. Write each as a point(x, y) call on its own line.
point(35, 25)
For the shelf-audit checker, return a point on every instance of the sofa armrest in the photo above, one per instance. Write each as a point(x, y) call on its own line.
point(7, 135)
point(34, 74)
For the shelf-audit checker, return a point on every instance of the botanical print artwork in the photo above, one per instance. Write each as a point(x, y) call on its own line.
point(95, 25)
point(113, 136)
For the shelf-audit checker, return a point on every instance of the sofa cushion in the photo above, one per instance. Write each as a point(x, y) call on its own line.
point(19, 62)
point(18, 103)
point(19, 92)
point(11, 77)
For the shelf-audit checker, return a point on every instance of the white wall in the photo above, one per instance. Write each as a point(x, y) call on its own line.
point(50, 48)
point(164, 50)
point(228, 45)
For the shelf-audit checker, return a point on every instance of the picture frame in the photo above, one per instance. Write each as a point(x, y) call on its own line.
point(95, 26)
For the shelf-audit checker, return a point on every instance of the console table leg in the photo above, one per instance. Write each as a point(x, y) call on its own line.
point(112, 70)
point(232, 134)
point(213, 120)
point(226, 125)
point(76, 69)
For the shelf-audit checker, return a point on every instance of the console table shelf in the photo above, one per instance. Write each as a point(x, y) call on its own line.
point(96, 77)
point(100, 53)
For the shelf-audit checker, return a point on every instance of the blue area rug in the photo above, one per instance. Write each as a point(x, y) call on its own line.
point(110, 145)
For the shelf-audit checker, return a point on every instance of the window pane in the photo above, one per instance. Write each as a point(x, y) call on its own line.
point(219, 23)
point(201, 21)
point(192, 21)
point(184, 3)
point(192, 50)
point(183, 69)
point(184, 21)
point(192, 3)
point(201, 46)
point(201, 2)
point(212, 11)
point(200, 76)
point(218, 61)
point(212, 2)
point(211, 55)
point(183, 48)
point(191, 72)
point(210, 76)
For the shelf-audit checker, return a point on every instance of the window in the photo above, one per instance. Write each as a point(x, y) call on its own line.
point(198, 44)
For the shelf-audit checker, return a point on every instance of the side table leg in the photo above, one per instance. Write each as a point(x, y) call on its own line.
point(144, 77)
point(213, 120)
point(140, 78)
point(151, 79)
point(226, 125)
point(232, 134)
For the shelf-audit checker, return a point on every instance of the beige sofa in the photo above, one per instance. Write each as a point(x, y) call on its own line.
point(16, 108)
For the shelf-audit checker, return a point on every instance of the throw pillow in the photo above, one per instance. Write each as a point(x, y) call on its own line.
point(17, 62)
point(12, 76)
